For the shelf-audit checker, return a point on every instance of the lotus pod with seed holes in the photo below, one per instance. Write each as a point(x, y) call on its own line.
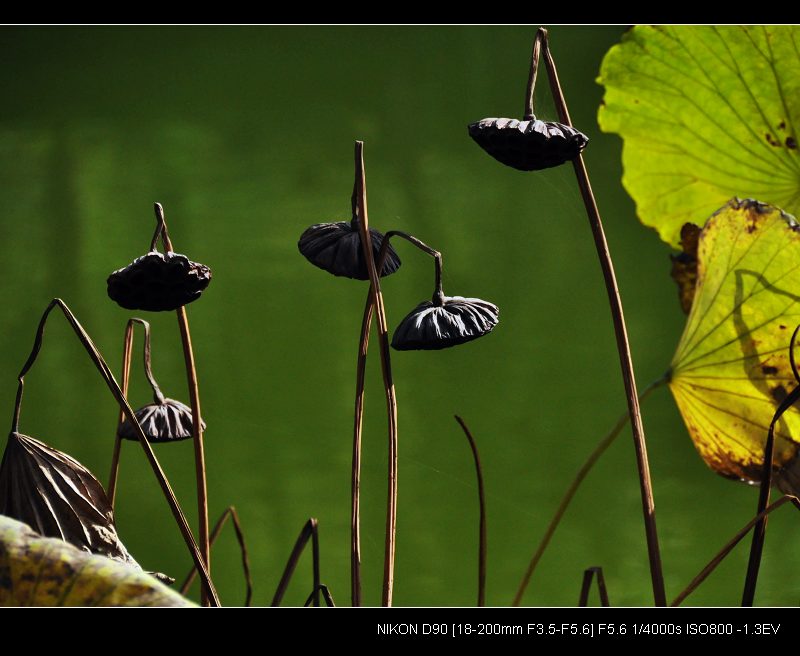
point(431, 326)
point(58, 497)
point(158, 282)
point(528, 145)
point(336, 248)
point(170, 421)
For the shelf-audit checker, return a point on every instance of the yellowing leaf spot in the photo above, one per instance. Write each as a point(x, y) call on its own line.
point(731, 367)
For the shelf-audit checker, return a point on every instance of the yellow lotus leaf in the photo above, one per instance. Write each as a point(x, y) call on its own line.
point(39, 571)
point(732, 367)
point(705, 112)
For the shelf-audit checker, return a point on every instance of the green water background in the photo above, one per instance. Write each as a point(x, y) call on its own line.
point(246, 136)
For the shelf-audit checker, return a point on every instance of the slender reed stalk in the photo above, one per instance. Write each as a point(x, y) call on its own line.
point(112, 384)
point(194, 399)
point(581, 474)
point(309, 531)
point(361, 366)
point(127, 352)
point(355, 520)
point(360, 205)
point(648, 503)
point(720, 556)
point(586, 586)
point(482, 504)
point(158, 397)
point(228, 513)
point(326, 595)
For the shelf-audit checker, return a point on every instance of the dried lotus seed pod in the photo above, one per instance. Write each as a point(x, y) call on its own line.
point(336, 248)
point(528, 145)
point(169, 421)
point(158, 282)
point(434, 326)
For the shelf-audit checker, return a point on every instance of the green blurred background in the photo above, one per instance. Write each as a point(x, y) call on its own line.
point(246, 136)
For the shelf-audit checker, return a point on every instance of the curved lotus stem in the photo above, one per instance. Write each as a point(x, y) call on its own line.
point(363, 345)
point(620, 331)
point(720, 556)
point(194, 396)
point(482, 506)
point(438, 294)
point(158, 396)
point(529, 99)
point(228, 513)
point(760, 530)
point(360, 205)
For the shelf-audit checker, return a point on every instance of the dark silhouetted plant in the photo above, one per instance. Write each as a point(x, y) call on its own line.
point(545, 146)
point(437, 324)
point(98, 505)
point(160, 282)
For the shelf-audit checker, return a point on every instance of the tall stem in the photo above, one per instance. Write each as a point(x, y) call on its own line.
point(482, 506)
point(361, 366)
point(228, 513)
point(127, 351)
point(197, 419)
point(760, 530)
point(720, 556)
point(310, 531)
point(355, 520)
point(360, 193)
point(529, 100)
point(648, 503)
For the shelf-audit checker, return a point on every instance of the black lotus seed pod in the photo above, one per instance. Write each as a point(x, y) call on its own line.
point(431, 326)
point(158, 282)
point(169, 421)
point(528, 145)
point(336, 247)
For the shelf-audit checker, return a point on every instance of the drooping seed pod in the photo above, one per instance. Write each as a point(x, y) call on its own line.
point(528, 145)
point(433, 326)
point(158, 282)
point(170, 421)
point(336, 248)
point(57, 497)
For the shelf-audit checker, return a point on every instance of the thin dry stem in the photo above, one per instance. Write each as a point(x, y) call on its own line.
point(310, 530)
point(438, 293)
point(158, 397)
point(482, 505)
point(363, 346)
point(194, 398)
point(112, 384)
point(229, 512)
point(720, 556)
point(326, 595)
point(589, 574)
point(626, 363)
point(355, 521)
point(360, 204)
point(529, 98)
point(760, 530)
point(127, 352)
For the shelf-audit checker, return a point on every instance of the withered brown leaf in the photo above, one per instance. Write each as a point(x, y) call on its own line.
point(684, 266)
point(58, 497)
